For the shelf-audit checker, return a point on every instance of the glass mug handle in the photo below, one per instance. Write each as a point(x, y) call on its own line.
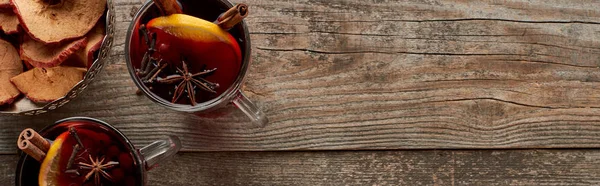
point(257, 116)
point(159, 151)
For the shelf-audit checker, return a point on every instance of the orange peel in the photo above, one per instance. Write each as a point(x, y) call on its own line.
point(50, 168)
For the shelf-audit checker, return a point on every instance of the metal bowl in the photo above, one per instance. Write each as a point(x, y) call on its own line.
point(24, 106)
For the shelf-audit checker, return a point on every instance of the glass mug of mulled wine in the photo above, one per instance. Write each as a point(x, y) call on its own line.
point(185, 63)
point(87, 151)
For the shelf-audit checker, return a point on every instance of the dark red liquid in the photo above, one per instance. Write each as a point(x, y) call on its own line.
point(99, 142)
point(197, 58)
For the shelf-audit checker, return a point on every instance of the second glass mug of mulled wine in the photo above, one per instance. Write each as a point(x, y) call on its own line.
point(87, 151)
point(199, 74)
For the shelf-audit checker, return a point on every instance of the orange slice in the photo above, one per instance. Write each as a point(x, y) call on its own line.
point(190, 27)
point(50, 169)
point(197, 33)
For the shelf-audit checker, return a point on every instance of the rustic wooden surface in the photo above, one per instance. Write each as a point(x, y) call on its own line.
point(379, 74)
point(426, 167)
point(383, 75)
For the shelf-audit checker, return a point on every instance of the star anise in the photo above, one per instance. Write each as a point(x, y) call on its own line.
point(151, 67)
point(97, 169)
point(188, 82)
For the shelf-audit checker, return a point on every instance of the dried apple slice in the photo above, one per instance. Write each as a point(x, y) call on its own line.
point(9, 22)
point(42, 85)
point(4, 3)
point(95, 38)
point(10, 66)
point(43, 55)
point(85, 57)
point(65, 20)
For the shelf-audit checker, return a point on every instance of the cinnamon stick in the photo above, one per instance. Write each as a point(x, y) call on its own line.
point(168, 7)
point(35, 138)
point(233, 16)
point(31, 150)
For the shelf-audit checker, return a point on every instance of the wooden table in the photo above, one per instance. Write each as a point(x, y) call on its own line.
point(376, 92)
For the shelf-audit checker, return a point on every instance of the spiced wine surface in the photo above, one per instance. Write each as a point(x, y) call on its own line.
point(98, 149)
point(74, 162)
point(198, 58)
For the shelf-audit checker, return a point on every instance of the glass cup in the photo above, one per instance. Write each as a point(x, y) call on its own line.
point(233, 94)
point(144, 159)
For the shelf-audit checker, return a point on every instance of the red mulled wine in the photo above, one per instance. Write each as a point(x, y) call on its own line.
point(225, 72)
point(84, 153)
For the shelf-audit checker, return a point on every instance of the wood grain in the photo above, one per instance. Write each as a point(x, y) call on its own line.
point(484, 167)
point(382, 75)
